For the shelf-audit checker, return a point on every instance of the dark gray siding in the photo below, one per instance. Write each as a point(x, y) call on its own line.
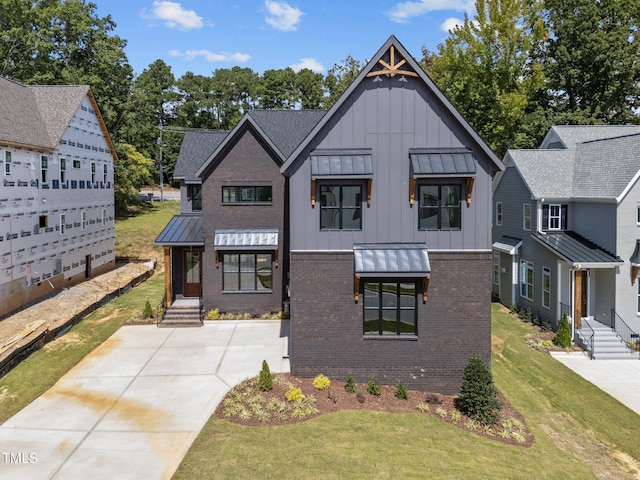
point(453, 324)
point(513, 193)
point(389, 117)
point(597, 222)
point(247, 163)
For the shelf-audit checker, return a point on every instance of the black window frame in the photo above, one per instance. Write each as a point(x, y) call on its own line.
point(366, 307)
point(440, 207)
point(240, 198)
point(339, 207)
point(195, 196)
point(226, 260)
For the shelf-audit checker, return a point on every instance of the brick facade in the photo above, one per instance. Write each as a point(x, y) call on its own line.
point(327, 325)
point(247, 163)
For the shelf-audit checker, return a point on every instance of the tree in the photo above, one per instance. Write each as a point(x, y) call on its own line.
point(131, 172)
point(486, 68)
point(279, 89)
point(339, 77)
point(309, 89)
point(563, 335)
point(591, 60)
point(54, 42)
point(478, 397)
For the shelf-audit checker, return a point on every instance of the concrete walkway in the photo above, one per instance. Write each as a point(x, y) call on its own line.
point(132, 408)
point(619, 378)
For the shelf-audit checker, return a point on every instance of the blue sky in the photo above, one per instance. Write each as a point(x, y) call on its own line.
point(203, 35)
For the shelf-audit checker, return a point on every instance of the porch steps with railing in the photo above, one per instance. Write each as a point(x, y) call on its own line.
point(607, 344)
point(182, 313)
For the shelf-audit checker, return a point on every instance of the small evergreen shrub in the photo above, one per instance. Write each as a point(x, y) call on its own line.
point(360, 396)
point(350, 385)
point(478, 395)
point(265, 380)
point(293, 394)
point(321, 382)
point(433, 399)
point(374, 388)
point(563, 335)
point(401, 392)
point(147, 312)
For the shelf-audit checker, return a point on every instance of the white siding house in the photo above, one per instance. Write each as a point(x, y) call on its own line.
point(56, 191)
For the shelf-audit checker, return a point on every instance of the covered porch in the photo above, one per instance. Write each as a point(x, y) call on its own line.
point(183, 246)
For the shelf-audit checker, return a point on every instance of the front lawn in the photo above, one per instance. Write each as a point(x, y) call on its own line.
point(579, 432)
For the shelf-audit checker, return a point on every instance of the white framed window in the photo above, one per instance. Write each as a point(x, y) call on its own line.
point(7, 163)
point(526, 216)
point(63, 170)
point(526, 279)
point(499, 214)
point(546, 287)
point(554, 217)
point(83, 216)
point(63, 223)
point(496, 268)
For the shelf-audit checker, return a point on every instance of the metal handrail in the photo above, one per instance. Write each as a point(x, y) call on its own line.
point(629, 337)
point(587, 335)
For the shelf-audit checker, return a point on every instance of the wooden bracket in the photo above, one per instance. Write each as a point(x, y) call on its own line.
point(470, 182)
point(217, 259)
point(313, 192)
point(425, 287)
point(369, 184)
point(276, 257)
point(635, 269)
point(412, 190)
point(356, 288)
point(392, 68)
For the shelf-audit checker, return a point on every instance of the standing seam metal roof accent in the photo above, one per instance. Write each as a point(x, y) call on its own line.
point(428, 162)
point(184, 229)
point(391, 259)
point(266, 238)
point(575, 248)
point(339, 163)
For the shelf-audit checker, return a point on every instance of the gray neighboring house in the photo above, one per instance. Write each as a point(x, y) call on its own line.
point(56, 191)
point(567, 227)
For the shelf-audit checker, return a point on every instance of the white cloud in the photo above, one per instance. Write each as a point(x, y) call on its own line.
point(282, 16)
point(405, 11)
point(451, 24)
point(174, 16)
point(210, 56)
point(310, 63)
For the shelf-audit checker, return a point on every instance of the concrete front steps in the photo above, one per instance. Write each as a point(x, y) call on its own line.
point(607, 343)
point(183, 313)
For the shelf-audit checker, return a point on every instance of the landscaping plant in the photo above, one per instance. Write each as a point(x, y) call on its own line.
point(374, 388)
point(563, 335)
point(350, 384)
point(265, 381)
point(147, 312)
point(321, 382)
point(401, 392)
point(478, 394)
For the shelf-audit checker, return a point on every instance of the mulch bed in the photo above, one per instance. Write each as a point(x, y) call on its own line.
point(336, 398)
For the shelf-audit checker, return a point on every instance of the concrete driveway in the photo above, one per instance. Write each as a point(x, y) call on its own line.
point(132, 407)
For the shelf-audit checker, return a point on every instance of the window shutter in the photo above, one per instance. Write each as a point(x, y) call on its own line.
point(545, 217)
point(563, 217)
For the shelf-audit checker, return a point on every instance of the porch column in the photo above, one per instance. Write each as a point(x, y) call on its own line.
point(167, 275)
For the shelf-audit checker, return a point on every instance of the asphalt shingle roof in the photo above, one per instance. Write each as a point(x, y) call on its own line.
point(571, 135)
point(197, 146)
point(37, 116)
point(286, 128)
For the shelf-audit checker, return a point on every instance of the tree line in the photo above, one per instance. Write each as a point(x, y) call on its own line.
point(513, 69)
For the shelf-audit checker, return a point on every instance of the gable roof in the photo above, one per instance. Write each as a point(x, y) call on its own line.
point(197, 146)
point(415, 66)
point(38, 116)
point(281, 130)
point(603, 169)
point(571, 135)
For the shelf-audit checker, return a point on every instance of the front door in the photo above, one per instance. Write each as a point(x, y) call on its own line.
point(580, 300)
point(193, 273)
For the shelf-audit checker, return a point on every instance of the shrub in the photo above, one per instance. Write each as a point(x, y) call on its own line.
point(478, 395)
point(213, 314)
point(321, 382)
point(350, 385)
point(401, 392)
point(147, 312)
point(360, 396)
point(563, 335)
point(433, 399)
point(293, 394)
point(373, 387)
point(265, 380)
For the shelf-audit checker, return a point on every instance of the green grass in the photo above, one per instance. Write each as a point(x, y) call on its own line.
point(135, 234)
point(42, 369)
point(580, 432)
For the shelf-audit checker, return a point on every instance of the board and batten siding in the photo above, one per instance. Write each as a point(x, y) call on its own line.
point(628, 232)
point(390, 117)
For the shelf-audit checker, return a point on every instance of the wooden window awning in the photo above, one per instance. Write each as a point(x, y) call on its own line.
point(341, 164)
point(391, 260)
point(442, 163)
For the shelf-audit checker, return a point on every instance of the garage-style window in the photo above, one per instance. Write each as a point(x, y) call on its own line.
point(390, 308)
point(247, 271)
